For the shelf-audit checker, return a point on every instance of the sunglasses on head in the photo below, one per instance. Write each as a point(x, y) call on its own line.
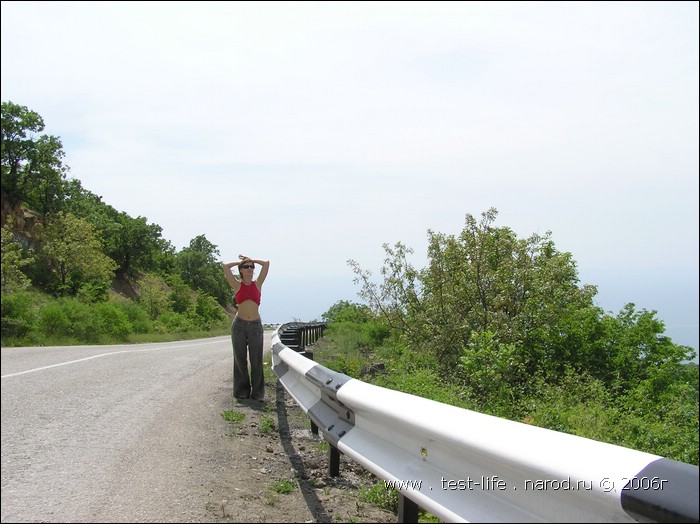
point(248, 266)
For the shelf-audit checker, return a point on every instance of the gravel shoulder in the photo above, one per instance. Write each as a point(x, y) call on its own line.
point(273, 450)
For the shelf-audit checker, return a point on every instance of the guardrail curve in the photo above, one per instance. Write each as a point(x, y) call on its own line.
point(461, 465)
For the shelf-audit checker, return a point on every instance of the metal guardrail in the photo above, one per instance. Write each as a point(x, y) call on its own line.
point(298, 335)
point(461, 465)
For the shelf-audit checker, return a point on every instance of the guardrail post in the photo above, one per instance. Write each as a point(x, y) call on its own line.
point(314, 427)
point(408, 510)
point(333, 461)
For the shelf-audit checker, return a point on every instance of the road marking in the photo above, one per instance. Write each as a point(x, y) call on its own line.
point(104, 355)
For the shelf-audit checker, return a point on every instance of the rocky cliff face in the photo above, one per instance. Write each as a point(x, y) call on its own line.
point(24, 222)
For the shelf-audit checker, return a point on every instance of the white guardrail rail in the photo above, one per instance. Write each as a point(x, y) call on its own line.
point(464, 466)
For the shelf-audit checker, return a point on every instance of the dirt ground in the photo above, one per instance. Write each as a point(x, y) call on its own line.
point(281, 474)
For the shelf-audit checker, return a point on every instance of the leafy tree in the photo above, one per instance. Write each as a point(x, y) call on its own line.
point(133, 245)
point(205, 311)
point(485, 280)
point(74, 254)
point(165, 258)
point(89, 206)
point(398, 296)
point(638, 351)
point(199, 269)
point(181, 295)
point(154, 296)
point(492, 369)
point(344, 311)
point(13, 260)
point(32, 165)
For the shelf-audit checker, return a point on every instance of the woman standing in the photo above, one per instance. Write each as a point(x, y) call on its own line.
point(247, 328)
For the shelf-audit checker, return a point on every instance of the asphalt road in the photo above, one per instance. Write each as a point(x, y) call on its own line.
point(126, 433)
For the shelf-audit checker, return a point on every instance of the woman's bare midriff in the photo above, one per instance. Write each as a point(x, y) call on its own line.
point(248, 310)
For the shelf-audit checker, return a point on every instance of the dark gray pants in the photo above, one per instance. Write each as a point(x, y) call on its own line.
point(247, 339)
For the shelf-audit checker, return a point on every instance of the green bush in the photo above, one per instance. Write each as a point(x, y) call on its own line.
point(84, 320)
point(579, 405)
point(205, 311)
point(348, 338)
point(425, 383)
point(18, 314)
point(180, 294)
point(136, 315)
point(113, 321)
point(174, 323)
point(668, 427)
point(375, 332)
point(54, 321)
point(350, 348)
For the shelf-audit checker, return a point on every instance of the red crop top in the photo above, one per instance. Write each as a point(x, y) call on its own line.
point(248, 292)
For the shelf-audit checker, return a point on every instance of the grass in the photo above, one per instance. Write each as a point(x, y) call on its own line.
point(233, 417)
point(266, 424)
point(323, 446)
point(379, 495)
point(282, 487)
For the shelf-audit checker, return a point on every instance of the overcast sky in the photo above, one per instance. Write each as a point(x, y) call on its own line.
point(310, 133)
